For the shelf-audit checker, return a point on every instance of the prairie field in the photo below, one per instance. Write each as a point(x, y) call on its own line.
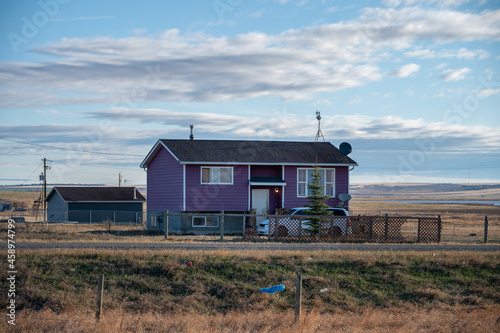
point(343, 291)
point(218, 291)
point(462, 222)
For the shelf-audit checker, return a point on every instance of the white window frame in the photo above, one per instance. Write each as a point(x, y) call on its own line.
point(213, 170)
point(299, 195)
point(216, 218)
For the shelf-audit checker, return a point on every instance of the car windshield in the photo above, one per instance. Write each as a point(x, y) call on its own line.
point(337, 212)
point(334, 212)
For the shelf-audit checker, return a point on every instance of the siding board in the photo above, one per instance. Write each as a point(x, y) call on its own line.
point(164, 179)
point(211, 197)
point(56, 208)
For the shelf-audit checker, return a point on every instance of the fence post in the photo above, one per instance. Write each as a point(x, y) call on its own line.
point(244, 223)
point(100, 287)
point(386, 232)
point(269, 228)
point(418, 231)
point(298, 297)
point(166, 224)
point(485, 229)
point(222, 225)
point(439, 228)
point(370, 232)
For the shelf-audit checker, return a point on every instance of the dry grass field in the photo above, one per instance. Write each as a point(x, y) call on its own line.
point(427, 191)
point(456, 320)
point(342, 291)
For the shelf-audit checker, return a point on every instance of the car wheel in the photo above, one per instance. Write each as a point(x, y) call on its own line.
point(335, 232)
point(282, 231)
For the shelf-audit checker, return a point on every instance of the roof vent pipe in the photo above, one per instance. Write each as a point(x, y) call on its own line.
point(191, 136)
point(135, 193)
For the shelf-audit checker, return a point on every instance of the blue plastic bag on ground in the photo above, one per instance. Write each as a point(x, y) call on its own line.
point(272, 290)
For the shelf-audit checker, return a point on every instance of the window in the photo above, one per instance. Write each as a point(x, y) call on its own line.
point(205, 221)
point(217, 175)
point(305, 177)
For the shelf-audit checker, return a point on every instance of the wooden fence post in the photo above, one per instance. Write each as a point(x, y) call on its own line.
point(485, 229)
point(244, 223)
point(222, 225)
point(418, 231)
point(100, 287)
point(370, 231)
point(298, 297)
point(166, 224)
point(319, 228)
point(440, 226)
point(386, 231)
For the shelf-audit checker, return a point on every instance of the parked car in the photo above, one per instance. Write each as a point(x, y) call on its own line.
point(287, 226)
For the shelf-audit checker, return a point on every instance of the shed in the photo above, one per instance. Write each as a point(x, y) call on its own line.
point(5, 205)
point(85, 204)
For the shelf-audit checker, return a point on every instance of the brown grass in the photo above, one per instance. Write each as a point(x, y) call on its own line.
point(457, 319)
point(22, 199)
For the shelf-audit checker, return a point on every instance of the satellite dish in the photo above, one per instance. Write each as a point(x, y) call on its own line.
point(345, 148)
point(344, 197)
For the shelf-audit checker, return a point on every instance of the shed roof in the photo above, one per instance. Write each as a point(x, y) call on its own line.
point(251, 152)
point(97, 194)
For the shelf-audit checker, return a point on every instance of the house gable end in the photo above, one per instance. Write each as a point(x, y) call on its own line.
point(152, 153)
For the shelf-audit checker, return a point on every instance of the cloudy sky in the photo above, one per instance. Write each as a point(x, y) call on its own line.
point(414, 86)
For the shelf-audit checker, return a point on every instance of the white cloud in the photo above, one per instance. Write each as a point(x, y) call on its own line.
point(421, 54)
point(461, 53)
point(455, 74)
point(406, 70)
point(356, 100)
point(441, 3)
point(295, 64)
point(277, 126)
point(464, 53)
point(488, 92)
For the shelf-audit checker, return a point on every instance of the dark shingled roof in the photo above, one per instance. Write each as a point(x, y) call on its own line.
point(238, 151)
point(102, 193)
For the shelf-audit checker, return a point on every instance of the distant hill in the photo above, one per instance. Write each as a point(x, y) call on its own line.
point(444, 191)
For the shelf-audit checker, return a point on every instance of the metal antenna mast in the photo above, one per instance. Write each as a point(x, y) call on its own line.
point(319, 133)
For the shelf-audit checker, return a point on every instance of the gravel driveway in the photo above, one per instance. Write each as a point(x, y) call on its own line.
point(256, 246)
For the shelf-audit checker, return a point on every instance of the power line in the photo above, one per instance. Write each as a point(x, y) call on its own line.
point(32, 173)
point(70, 149)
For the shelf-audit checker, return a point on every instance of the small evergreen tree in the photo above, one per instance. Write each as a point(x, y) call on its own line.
point(317, 202)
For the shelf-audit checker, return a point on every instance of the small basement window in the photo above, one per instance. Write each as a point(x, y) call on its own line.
point(205, 221)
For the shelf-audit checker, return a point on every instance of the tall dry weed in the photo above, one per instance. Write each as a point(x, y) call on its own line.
point(457, 319)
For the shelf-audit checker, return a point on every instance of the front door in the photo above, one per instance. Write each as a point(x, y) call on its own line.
point(260, 202)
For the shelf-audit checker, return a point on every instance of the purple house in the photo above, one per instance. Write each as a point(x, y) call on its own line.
point(202, 177)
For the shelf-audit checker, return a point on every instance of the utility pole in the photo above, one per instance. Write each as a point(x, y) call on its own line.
point(119, 179)
point(45, 168)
